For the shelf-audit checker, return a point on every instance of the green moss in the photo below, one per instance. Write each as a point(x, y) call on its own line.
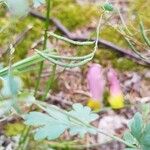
point(62, 2)
point(34, 34)
point(125, 64)
point(13, 129)
point(104, 56)
point(110, 34)
point(73, 15)
point(14, 30)
point(2, 10)
point(107, 57)
point(141, 8)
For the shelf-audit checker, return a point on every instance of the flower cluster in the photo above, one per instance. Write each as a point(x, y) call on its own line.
point(96, 84)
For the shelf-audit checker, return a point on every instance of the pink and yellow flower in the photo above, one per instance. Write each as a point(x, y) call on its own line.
point(115, 99)
point(96, 85)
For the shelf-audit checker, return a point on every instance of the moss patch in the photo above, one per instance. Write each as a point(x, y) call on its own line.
point(141, 7)
point(72, 15)
point(13, 129)
point(15, 29)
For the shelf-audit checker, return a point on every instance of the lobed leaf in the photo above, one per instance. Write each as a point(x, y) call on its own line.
point(55, 121)
point(48, 127)
point(129, 138)
point(145, 139)
point(136, 125)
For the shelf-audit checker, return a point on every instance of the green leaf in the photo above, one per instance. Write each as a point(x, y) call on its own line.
point(23, 100)
point(38, 3)
point(145, 147)
point(57, 115)
point(86, 116)
point(26, 99)
point(56, 121)
point(131, 149)
point(145, 139)
point(10, 87)
point(5, 107)
point(136, 125)
point(49, 127)
point(51, 131)
point(129, 138)
point(83, 113)
point(18, 7)
point(145, 110)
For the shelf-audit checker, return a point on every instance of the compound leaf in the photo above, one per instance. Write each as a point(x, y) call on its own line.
point(49, 127)
point(55, 121)
point(83, 113)
point(136, 125)
point(129, 138)
point(86, 116)
point(145, 139)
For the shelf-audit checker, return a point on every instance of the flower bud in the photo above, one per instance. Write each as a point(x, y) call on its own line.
point(96, 86)
point(108, 7)
point(115, 99)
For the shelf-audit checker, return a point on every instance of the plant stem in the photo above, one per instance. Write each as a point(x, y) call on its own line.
point(25, 137)
point(50, 82)
point(114, 138)
point(44, 44)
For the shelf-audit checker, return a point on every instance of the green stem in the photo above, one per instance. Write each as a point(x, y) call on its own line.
point(25, 137)
point(146, 39)
point(114, 138)
point(50, 82)
point(44, 45)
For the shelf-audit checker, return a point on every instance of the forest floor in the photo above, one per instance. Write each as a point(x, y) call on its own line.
point(71, 85)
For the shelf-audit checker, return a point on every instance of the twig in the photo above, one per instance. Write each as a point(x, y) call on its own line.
point(105, 43)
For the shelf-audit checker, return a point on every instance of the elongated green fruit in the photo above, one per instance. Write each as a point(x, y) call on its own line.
point(70, 41)
point(68, 65)
point(73, 58)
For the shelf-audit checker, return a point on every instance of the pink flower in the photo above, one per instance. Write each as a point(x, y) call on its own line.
point(113, 82)
point(116, 97)
point(96, 85)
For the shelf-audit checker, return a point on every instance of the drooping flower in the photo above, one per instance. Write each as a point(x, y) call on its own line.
point(96, 85)
point(115, 99)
